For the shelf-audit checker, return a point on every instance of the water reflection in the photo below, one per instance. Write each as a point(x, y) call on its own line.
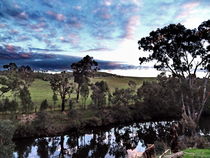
point(112, 142)
point(107, 143)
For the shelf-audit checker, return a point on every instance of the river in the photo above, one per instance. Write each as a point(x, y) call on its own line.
point(110, 142)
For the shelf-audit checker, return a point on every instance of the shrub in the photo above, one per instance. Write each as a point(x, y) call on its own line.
point(7, 130)
point(44, 105)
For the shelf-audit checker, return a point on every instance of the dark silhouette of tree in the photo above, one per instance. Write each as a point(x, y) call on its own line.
point(99, 93)
point(182, 52)
point(84, 92)
point(60, 83)
point(17, 81)
point(44, 105)
point(7, 130)
point(123, 96)
point(158, 98)
point(82, 70)
point(11, 67)
point(55, 99)
point(132, 84)
point(26, 102)
point(42, 148)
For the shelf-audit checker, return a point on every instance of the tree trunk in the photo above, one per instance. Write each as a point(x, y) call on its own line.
point(61, 155)
point(63, 104)
point(78, 89)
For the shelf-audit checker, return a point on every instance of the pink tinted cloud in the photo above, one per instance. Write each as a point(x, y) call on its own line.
point(106, 16)
point(132, 26)
point(74, 22)
point(78, 7)
point(25, 55)
point(57, 16)
point(191, 5)
point(23, 38)
point(38, 27)
point(3, 25)
point(71, 38)
point(107, 2)
point(14, 32)
point(187, 9)
point(23, 15)
point(10, 48)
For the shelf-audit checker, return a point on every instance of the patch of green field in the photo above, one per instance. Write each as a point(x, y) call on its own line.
point(41, 90)
point(197, 153)
point(121, 82)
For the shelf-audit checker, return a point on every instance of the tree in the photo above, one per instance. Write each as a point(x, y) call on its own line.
point(123, 96)
point(7, 130)
point(82, 70)
point(44, 105)
point(132, 84)
point(182, 52)
point(17, 81)
point(61, 84)
point(99, 93)
point(55, 99)
point(158, 98)
point(84, 91)
point(25, 98)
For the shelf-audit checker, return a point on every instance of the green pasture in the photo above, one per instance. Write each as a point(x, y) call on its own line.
point(197, 153)
point(41, 90)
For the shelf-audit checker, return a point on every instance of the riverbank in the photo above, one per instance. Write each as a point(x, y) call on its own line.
point(52, 123)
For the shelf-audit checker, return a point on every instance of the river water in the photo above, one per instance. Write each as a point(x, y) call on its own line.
point(113, 142)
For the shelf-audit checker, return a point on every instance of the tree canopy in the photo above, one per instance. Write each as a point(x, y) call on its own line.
point(82, 70)
point(183, 52)
point(177, 49)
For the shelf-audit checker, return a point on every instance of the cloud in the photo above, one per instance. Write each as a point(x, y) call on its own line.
point(53, 62)
point(56, 16)
point(131, 27)
point(97, 49)
point(187, 9)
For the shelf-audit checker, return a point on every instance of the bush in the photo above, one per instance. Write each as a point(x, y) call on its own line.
point(44, 105)
point(7, 130)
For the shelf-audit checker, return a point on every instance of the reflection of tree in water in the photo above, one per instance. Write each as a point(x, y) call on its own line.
point(114, 142)
point(55, 144)
point(42, 147)
point(23, 147)
point(205, 126)
point(154, 131)
point(96, 147)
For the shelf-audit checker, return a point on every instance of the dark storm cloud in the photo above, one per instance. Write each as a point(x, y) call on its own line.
point(54, 62)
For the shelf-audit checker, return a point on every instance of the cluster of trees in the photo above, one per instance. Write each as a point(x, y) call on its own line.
point(183, 52)
point(15, 82)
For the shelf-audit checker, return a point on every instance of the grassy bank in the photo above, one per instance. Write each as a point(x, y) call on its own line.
point(54, 123)
point(197, 153)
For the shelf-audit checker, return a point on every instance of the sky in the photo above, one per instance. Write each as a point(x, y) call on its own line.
point(52, 34)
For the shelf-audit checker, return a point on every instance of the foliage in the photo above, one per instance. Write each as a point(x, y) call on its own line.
point(55, 99)
point(25, 97)
point(60, 83)
point(84, 92)
point(17, 81)
point(7, 105)
point(82, 70)
point(182, 52)
point(123, 96)
point(44, 105)
point(132, 84)
point(158, 97)
point(99, 93)
point(7, 130)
